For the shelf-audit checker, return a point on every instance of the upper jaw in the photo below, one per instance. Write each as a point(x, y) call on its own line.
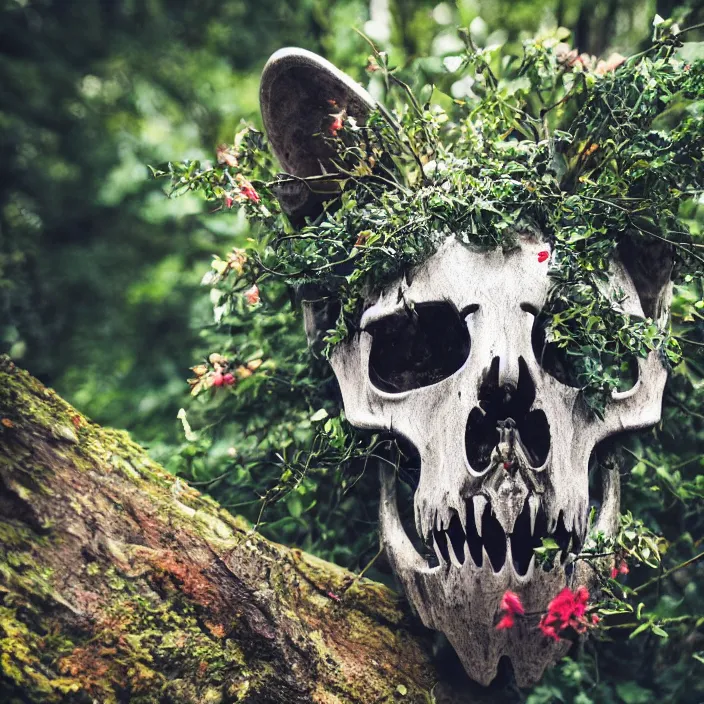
point(486, 535)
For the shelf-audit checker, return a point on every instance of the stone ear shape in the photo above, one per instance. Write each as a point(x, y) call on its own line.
point(301, 97)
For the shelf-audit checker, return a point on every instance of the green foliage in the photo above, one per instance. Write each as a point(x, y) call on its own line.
point(99, 272)
point(548, 145)
point(588, 154)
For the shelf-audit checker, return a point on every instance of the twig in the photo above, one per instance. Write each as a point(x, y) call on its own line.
point(667, 573)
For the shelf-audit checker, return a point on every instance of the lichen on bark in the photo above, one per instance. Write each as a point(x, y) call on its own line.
point(120, 583)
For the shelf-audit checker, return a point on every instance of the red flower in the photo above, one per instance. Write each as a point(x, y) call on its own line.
point(511, 603)
point(511, 606)
point(566, 610)
point(507, 621)
point(228, 379)
point(246, 189)
point(229, 200)
point(248, 192)
point(543, 256)
point(252, 295)
point(335, 125)
point(620, 567)
point(547, 627)
point(218, 379)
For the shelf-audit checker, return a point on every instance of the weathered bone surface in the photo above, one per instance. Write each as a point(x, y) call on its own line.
point(483, 520)
point(504, 444)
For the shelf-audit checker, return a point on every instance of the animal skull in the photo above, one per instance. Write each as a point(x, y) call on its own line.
point(504, 445)
point(504, 449)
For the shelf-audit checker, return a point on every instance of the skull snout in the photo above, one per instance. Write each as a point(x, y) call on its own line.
point(504, 430)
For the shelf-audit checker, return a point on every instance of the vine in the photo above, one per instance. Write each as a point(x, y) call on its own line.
point(591, 155)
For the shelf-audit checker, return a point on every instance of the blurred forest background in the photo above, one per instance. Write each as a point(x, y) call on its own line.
point(100, 272)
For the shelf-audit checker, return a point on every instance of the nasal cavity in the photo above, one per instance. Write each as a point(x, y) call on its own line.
point(498, 403)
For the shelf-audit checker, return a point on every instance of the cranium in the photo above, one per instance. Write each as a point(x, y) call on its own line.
point(504, 445)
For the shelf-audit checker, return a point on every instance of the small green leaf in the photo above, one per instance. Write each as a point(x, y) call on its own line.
point(640, 629)
point(294, 505)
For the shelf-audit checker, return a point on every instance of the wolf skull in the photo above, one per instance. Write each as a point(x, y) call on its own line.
point(504, 445)
point(483, 515)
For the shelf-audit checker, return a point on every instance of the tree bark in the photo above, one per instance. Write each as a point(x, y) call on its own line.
point(120, 583)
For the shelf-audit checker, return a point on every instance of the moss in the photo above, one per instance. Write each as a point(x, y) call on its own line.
point(120, 582)
point(19, 648)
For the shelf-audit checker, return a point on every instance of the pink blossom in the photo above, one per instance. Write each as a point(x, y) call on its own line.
point(247, 190)
point(611, 64)
point(336, 124)
point(252, 295)
point(507, 621)
point(511, 606)
point(566, 610)
point(511, 603)
point(620, 567)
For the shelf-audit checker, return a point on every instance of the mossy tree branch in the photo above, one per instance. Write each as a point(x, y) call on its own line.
point(119, 583)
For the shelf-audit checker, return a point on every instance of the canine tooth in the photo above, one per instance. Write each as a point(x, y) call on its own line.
point(582, 524)
point(533, 506)
point(479, 506)
point(453, 558)
point(508, 562)
point(485, 560)
point(531, 568)
point(463, 521)
point(424, 526)
point(436, 547)
point(467, 557)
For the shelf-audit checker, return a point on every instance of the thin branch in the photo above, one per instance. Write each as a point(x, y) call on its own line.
point(667, 573)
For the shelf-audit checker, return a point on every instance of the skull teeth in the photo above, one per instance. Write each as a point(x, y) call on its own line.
point(533, 505)
point(454, 559)
point(436, 547)
point(479, 502)
point(478, 537)
point(463, 521)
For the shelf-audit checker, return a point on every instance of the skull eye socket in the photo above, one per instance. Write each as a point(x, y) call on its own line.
point(575, 370)
point(552, 359)
point(416, 348)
